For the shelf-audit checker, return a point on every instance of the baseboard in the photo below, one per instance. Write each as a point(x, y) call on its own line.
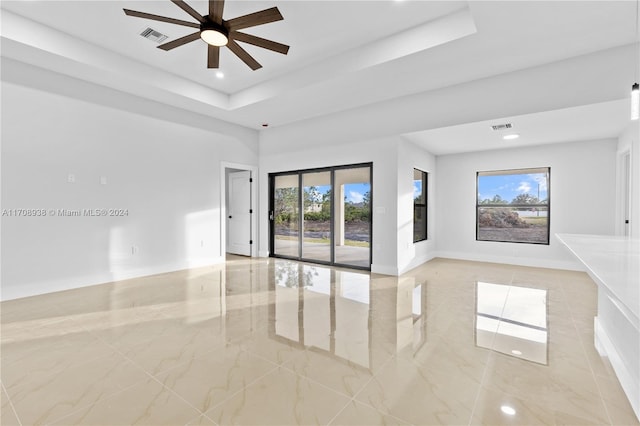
point(263, 253)
point(569, 265)
point(53, 286)
point(415, 262)
point(605, 347)
point(384, 270)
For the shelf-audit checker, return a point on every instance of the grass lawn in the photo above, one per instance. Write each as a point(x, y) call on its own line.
point(535, 221)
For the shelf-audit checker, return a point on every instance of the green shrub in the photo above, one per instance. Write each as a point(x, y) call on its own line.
point(286, 217)
point(317, 216)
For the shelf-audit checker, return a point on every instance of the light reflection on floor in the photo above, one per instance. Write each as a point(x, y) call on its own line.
point(269, 341)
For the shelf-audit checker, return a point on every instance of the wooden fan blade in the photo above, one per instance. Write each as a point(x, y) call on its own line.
point(216, 7)
point(160, 18)
point(244, 55)
point(253, 19)
point(180, 41)
point(260, 42)
point(191, 11)
point(213, 57)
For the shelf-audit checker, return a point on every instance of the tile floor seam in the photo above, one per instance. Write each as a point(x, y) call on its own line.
point(168, 369)
point(314, 381)
point(109, 396)
point(238, 391)
point(486, 366)
point(373, 376)
point(95, 334)
point(294, 373)
point(366, 404)
point(339, 412)
point(178, 395)
point(83, 362)
point(351, 398)
point(135, 364)
point(15, 413)
point(208, 409)
point(265, 358)
point(213, 421)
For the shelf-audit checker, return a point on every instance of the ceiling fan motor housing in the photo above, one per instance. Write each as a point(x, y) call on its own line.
point(213, 33)
point(210, 25)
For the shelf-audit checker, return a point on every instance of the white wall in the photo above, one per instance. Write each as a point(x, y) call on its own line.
point(582, 200)
point(412, 254)
point(629, 142)
point(383, 153)
point(167, 176)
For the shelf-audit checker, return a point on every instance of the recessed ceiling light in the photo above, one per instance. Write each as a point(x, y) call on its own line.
point(508, 410)
point(511, 136)
point(220, 74)
point(516, 352)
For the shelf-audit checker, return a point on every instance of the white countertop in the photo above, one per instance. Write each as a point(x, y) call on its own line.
point(613, 262)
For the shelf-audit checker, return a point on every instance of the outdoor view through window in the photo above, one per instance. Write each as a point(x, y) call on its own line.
point(513, 206)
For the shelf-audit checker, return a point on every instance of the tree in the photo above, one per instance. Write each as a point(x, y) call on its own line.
point(525, 199)
point(326, 202)
point(312, 196)
point(285, 204)
point(366, 199)
point(497, 199)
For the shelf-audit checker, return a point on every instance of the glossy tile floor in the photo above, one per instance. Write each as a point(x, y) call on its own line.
point(276, 342)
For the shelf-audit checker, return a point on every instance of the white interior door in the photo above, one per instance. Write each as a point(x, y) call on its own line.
point(238, 213)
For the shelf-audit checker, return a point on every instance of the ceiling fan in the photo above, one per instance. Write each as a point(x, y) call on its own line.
point(217, 32)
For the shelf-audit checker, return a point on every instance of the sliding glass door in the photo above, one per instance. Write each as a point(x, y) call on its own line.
point(316, 221)
point(352, 219)
point(322, 215)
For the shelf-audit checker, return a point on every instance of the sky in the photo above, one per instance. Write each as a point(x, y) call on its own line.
point(355, 191)
point(510, 186)
point(417, 188)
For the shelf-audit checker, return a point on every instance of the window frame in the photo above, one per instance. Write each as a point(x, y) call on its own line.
point(518, 171)
point(425, 185)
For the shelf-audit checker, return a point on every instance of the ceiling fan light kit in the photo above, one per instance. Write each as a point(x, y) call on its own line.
point(217, 32)
point(213, 34)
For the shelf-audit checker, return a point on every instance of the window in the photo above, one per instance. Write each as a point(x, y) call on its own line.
point(513, 206)
point(419, 205)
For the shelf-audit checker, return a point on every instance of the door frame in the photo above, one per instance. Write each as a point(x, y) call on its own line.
point(224, 166)
point(624, 192)
point(271, 183)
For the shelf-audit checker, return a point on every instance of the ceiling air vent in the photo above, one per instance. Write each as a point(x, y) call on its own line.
point(153, 35)
point(502, 126)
